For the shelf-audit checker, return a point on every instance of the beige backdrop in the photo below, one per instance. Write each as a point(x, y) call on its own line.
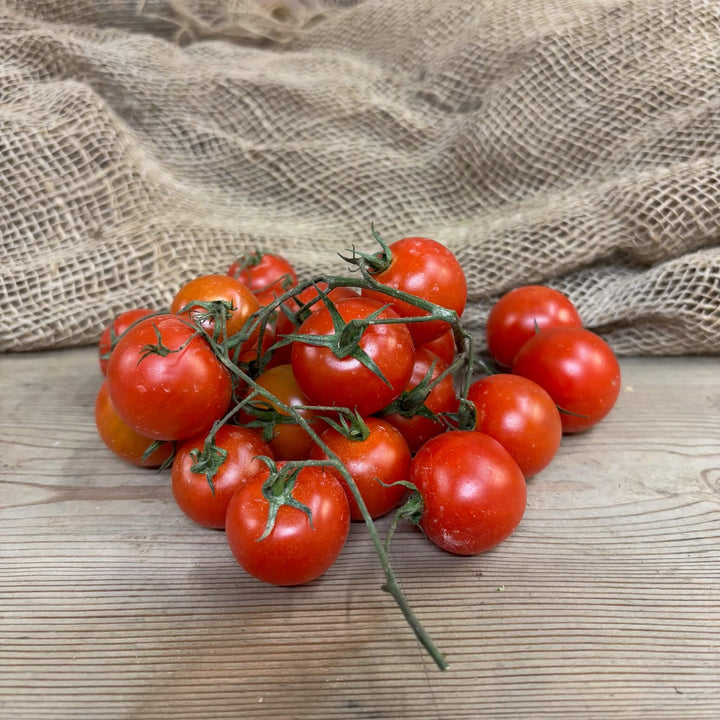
point(574, 143)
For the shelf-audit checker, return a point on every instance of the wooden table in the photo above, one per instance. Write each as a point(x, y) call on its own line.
point(605, 603)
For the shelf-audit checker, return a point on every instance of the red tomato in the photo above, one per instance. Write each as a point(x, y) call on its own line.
point(518, 314)
point(121, 438)
point(443, 347)
point(283, 324)
point(114, 330)
point(577, 369)
point(521, 416)
point(165, 380)
point(210, 288)
point(473, 492)
point(382, 457)
point(193, 494)
point(427, 269)
point(344, 381)
point(266, 274)
point(290, 441)
point(417, 429)
point(296, 551)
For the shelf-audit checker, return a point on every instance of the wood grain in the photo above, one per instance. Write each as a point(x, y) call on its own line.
point(604, 603)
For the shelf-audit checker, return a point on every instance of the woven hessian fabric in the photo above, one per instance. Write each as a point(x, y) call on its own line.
point(574, 144)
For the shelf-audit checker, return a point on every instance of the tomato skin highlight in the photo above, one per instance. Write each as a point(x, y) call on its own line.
point(209, 288)
point(518, 314)
point(117, 327)
point(442, 399)
point(295, 552)
point(521, 416)
point(167, 397)
point(579, 371)
point(192, 491)
point(383, 456)
point(429, 270)
point(121, 439)
point(473, 492)
point(345, 382)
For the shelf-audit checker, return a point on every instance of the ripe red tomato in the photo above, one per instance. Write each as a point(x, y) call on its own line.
point(268, 275)
point(518, 314)
point(121, 438)
point(114, 330)
point(165, 381)
point(521, 416)
point(290, 441)
point(295, 552)
point(443, 347)
point(578, 370)
point(192, 490)
point(427, 269)
point(284, 325)
point(382, 457)
point(344, 381)
point(473, 492)
point(210, 288)
point(417, 429)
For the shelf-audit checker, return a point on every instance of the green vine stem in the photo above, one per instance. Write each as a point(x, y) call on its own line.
point(463, 363)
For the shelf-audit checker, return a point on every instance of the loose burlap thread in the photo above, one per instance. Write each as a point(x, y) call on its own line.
point(570, 143)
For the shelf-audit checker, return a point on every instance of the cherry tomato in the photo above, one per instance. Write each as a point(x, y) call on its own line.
point(518, 314)
point(193, 494)
point(374, 463)
point(268, 275)
point(121, 438)
point(165, 381)
point(417, 429)
point(290, 441)
point(578, 370)
point(210, 288)
point(283, 324)
point(473, 492)
point(114, 330)
point(443, 347)
point(521, 416)
point(295, 551)
point(345, 381)
point(427, 269)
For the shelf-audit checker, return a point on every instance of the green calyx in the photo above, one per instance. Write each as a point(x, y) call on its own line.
point(371, 263)
point(349, 424)
point(208, 460)
point(217, 312)
point(248, 260)
point(412, 402)
point(266, 418)
point(277, 490)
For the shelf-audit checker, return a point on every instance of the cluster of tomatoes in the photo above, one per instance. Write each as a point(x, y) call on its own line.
point(287, 409)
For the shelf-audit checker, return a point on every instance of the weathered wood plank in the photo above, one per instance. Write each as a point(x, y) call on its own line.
point(603, 603)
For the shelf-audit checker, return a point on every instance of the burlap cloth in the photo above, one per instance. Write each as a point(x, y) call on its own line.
point(573, 143)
